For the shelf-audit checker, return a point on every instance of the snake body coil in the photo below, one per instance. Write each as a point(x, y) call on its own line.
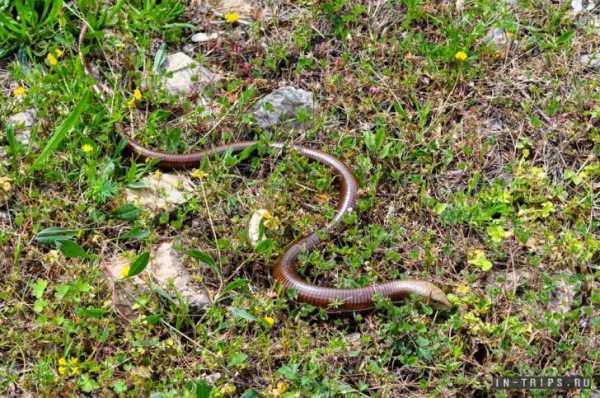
point(284, 271)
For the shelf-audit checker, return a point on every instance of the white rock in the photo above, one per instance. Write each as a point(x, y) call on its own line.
point(254, 227)
point(591, 60)
point(498, 37)
point(163, 191)
point(202, 37)
point(212, 378)
point(285, 103)
point(582, 5)
point(4, 219)
point(353, 339)
point(23, 121)
point(183, 73)
point(167, 268)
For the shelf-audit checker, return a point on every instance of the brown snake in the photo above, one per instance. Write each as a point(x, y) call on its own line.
point(284, 271)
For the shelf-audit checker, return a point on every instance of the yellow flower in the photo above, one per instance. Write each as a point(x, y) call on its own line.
point(74, 368)
point(125, 272)
point(199, 174)
point(19, 91)
point(87, 148)
point(59, 53)
point(5, 183)
point(52, 256)
point(461, 56)
point(62, 366)
point(231, 17)
point(269, 320)
point(137, 94)
point(270, 221)
point(463, 290)
point(227, 389)
point(282, 387)
point(69, 366)
point(51, 59)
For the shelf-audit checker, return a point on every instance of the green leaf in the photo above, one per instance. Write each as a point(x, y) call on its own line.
point(236, 284)
point(159, 59)
point(497, 233)
point(120, 386)
point(179, 25)
point(127, 212)
point(205, 258)
point(96, 313)
point(87, 383)
point(59, 134)
point(139, 264)
point(250, 394)
point(243, 155)
point(54, 234)
point(38, 288)
point(237, 359)
point(71, 249)
point(39, 305)
point(199, 388)
point(478, 259)
point(137, 233)
point(264, 246)
point(138, 185)
point(289, 371)
point(12, 143)
point(241, 313)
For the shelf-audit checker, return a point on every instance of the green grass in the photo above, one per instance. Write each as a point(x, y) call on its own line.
point(468, 171)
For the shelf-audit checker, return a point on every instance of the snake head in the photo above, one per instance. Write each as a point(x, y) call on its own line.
point(433, 295)
point(438, 299)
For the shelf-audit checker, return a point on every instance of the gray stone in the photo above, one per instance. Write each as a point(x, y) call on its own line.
point(167, 268)
point(23, 121)
point(591, 60)
point(281, 105)
point(508, 280)
point(563, 294)
point(183, 73)
point(189, 49)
